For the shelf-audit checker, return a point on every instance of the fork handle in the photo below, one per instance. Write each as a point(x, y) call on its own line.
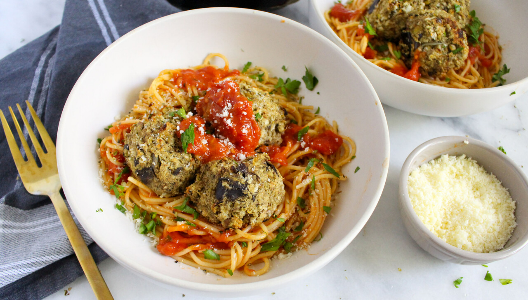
point(81, 250)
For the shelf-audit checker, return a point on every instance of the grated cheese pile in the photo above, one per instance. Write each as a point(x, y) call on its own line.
point(462, 204)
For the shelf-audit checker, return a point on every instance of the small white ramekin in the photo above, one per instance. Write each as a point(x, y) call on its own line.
point(493, 161)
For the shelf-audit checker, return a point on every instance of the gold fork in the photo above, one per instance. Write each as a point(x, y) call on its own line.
point(45, 181)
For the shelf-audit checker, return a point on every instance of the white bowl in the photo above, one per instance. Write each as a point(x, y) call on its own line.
point(493, 161)
point(110, 85)
point(425, 99)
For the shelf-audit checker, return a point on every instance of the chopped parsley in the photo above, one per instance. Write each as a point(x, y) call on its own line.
point(505, 281)
point(210, 254)
point(357, 169)
point(107, 128)
point(318, 110)
point(512, 93)
point(284, 68)
point(187, 209)
point(310, 80)
point(294, 121)
point(502, 149)
point(382, 48)
point(180, 112)
point(457, 8)
point(485, 266)
point(458, 282)
point(397, 54)
point(488, 276)
point(278, 241)
point(246, 67)
point(137, 212)
point(474, 29)
point(281, 220)
point(331, 170)
point(386, 58)
point(195, 98)
point(447, 79)
point(230, 272)
point(457, 50)
point(299, 227)
point(118, 189)
point(257, 76)
point(288, 246)
point(99, 210)
point(368, 28)
point(302, 132)
point(142, 229)
point(320, 237)
point(187, 137)
point(244, 244)
point(327, 209)
point(301, 202)
point(257, 116)
point(100, 140)
point(498, 76)
point(151, 226)
point(313, 182)
point(289, 85)
point(311, 163)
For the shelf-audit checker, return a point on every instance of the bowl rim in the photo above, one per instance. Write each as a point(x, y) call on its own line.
point(415, 221)
point(232, 288)
point(506, 87)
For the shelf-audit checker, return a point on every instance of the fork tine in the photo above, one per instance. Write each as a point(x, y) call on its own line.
point(22, 139)
point(17, 156)
point(36, 143)
point(48, 142)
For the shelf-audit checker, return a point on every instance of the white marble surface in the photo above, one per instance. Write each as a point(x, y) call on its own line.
point(383, 261)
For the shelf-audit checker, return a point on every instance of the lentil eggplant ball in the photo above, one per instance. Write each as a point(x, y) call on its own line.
point(235, 194)
point(155, 156)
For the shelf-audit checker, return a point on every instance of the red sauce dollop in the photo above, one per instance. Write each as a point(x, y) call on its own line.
point(475, 52)
point(201, 78)
point(176, 241)
point(344, 14)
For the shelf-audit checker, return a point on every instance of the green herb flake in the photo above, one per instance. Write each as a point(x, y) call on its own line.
point(485, 266)
point(142, 229)
point(502, 149)
point(386, 58)
point(311, 163)
point(190, 224)
point(288, 85)
point(447, 79)
point(100, 140)
point(299, 227)
point(313, 182)
point(318, 110)
point(309, 80)
point(246, 67)
point(258, 77)
point(281, 220)
point(230, 272)
point(187, 137)
point(488, 276)
point(107, 128)
point(457, 8)
point(356, 170)
point(319, 237)
point(284, 68)
point(327, 209)
point(458, 282)
point(505, 281)
point(278, 241)
point(181, 112)
point(244, 244)
point(257, 116)
point(195, 98)
point(151, 226)
point(301, 202)
point(512, 93)
point(294, 121)
point(210, 254)
point(187, 209)
point(302, 132)
point(137, 212)
point(382, 48)
point(474, 29)
point(288, 246)
point(368, 28)
point(457, 50)
point(99, 210)
point(331, 170)
point(397, 54)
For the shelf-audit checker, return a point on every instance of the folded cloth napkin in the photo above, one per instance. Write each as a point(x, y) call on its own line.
point(36, 258)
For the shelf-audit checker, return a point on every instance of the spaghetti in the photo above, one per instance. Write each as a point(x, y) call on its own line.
point(483, 60)
point(310, 179)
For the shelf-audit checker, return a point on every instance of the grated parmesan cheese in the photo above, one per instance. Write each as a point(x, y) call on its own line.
point(462, 204)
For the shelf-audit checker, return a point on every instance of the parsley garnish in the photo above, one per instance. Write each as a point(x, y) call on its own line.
point(246, 67)
point(187, 209)
point(386, 58)
point(284, 68)
point(311, 163)
point(151, 226)
point(397, 54)
point(180, 112)
point(195, 98)
point(302, 132)
point(457, 50)
point(447, 79)
point(313, 182)
point(300, 227)
point(457, 8)
point(474, 29)
point(458, 282)
point(512, 93)
point(99, 210)
point(230, 272)
point(257, 77)
point(485, 266)
point(274, 244)
point(288, 246)
point(142, 229)
point(187, 137)
point(210, 254)
point(294, 121)
point(107, 128)
point(357, 169)
point(488, 276)
point(382, 48)
point(137, 212)
point(320, 236)
point(505, 281)
point(289, 85)
point(257, 116)
point(331, 170)
point(502, 149)
point(281, 220)
point(100, 140)
point(244, 244)
point(369, 28)
point(327, 209)
point(498, 76)
point(318, 110)
point(301, 202)
point(116, 187)
point(310, 80)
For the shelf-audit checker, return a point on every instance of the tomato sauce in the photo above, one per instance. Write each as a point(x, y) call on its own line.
point(474, 53)
point(344, 14)
point(176, 242)
point(201, 78)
